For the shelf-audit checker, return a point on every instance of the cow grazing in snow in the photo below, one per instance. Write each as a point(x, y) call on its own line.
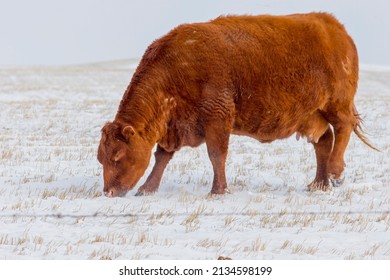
point(266, 77)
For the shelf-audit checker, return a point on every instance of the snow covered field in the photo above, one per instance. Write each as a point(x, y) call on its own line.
point(51, 183)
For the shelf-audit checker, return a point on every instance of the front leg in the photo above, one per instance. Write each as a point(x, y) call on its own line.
point(217, 146)
point(153, 181)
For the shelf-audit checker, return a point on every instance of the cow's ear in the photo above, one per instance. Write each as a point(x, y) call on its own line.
point(128, 132)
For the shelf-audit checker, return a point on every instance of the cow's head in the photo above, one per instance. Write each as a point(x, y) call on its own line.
point(124, 155)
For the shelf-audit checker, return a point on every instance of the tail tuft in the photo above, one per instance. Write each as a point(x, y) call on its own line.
point(359, 131)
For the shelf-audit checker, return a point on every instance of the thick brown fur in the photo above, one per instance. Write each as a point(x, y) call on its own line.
point(266, 77)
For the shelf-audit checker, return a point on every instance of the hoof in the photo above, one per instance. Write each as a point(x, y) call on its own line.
point(143, 193)
point(139, 193)
point(317, 187)
point(220, 192)
point(337, 182)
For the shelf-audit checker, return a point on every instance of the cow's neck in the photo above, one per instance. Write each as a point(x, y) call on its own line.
point(144, 110)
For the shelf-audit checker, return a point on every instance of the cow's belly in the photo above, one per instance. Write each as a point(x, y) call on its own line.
point(268, 127)
point(265, 133)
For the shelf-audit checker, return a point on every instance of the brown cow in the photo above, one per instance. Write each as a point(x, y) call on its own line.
point(266, 77)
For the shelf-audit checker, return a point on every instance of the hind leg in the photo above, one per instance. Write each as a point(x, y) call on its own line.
point(343, 123)
point(336, 163)
point(317, 130)
point(323, 149)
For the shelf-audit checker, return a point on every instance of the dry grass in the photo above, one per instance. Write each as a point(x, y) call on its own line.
point(256, 246)
point(192, 222)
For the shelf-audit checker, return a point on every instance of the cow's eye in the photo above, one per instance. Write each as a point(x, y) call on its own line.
point(118, 156)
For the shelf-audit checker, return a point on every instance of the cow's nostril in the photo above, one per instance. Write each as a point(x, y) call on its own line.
point(109, 193)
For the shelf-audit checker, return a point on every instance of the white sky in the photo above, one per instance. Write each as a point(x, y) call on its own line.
point(50, 32)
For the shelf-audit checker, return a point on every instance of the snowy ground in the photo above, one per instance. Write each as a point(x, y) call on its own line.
point(51, 183)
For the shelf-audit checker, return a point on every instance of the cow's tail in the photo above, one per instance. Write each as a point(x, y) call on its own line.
point(359, 130)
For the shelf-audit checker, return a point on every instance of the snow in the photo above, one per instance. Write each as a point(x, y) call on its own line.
point(51, 183)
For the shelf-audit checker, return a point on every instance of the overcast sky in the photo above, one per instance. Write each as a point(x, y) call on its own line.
point(52, 32)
